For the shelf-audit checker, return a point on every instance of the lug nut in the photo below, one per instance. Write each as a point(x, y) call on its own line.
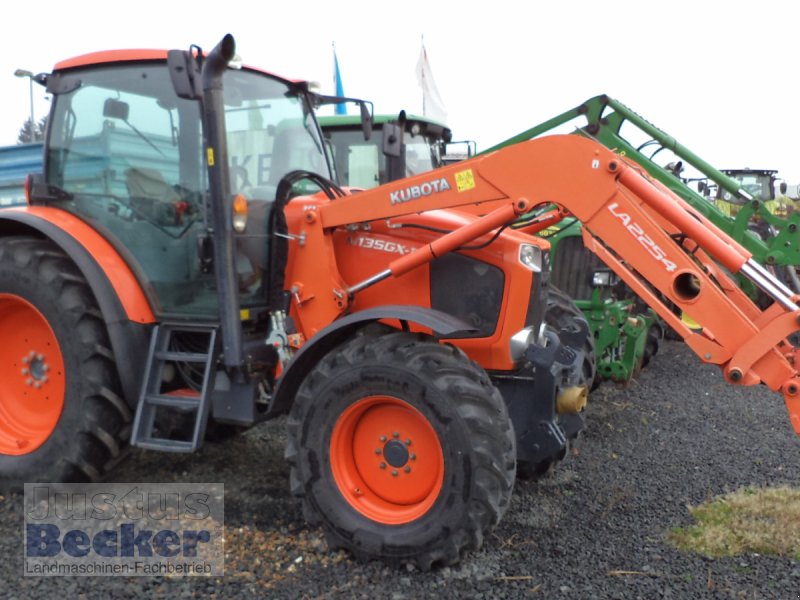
point(396, 434)
point(408, 442)
point(382, 465)
point(407, 469)
point(413, 457)
point(377, 450)
point(383, 438)
point(24, 371)
point(394, 472)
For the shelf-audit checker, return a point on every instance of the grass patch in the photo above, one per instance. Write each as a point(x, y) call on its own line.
point(760, 520)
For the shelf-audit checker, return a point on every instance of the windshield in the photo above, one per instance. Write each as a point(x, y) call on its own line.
point(361, 163)
point(422, 154)
point(757, 185)
point(271, 131)
point(131, 155)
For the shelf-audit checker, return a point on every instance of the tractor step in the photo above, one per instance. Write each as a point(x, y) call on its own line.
point(158, 410)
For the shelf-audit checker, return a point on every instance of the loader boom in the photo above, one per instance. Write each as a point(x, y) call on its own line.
point(658, 244)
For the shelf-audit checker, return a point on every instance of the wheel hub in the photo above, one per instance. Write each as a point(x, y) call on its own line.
point(386, 459)
point(396, 453)
point(35, 373)
point(32, 375)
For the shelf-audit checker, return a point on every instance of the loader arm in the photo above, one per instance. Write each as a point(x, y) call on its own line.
point(667, 251)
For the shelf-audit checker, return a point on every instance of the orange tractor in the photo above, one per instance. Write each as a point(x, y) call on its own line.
point(182, 202)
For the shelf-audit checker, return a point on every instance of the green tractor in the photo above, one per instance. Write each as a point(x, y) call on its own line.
point(366, 163)
point(761, 184)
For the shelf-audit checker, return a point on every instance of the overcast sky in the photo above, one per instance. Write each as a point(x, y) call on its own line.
point(721, 77)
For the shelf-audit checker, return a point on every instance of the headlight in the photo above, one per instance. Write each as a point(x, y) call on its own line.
point(603, 278)
point(240, 211)
point(531, 257)
point(520, 341)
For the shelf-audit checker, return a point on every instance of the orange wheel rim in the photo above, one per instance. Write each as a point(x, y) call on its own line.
point(387, 460)
point(32, 376)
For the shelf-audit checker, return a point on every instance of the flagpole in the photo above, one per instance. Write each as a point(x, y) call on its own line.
point(422, 41)
point(340, 109)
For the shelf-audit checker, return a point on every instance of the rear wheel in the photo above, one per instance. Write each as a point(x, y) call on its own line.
point(62, 417)
point(402, 449)
point(562, 313)
point(655, 335)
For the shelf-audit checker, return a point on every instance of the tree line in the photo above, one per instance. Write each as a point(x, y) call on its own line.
point(30, 132)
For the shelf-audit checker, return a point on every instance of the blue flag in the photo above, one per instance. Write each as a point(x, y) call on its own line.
point(341, 109)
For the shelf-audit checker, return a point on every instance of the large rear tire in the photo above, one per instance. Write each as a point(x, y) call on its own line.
point(562, 313)
point(62, 416)
point(402, 449)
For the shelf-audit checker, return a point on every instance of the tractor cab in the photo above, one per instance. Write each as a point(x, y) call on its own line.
point(125, 153)
point(759, 183)
point(400, 146)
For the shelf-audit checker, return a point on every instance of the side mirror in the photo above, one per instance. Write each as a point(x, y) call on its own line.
point(366, 120)
point(184, 71)
point(783, 188)
point(116, 109)
point(392, 140)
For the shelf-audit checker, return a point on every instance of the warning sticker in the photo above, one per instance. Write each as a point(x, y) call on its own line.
point(465, 180)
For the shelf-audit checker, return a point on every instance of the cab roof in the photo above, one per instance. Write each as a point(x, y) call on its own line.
point(378, 119)
point(136, 55)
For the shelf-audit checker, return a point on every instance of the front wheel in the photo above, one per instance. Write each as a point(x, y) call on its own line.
point(402, 449)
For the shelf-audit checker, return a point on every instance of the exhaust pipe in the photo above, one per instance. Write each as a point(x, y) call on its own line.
point(212, 73)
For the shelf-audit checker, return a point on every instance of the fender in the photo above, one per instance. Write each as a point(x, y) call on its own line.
point(126, 311)
point(444, 324)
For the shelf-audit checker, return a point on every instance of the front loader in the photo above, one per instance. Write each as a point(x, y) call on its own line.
point(175, 264)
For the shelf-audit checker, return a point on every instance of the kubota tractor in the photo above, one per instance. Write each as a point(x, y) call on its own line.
point(404, 340)
point(151, 286)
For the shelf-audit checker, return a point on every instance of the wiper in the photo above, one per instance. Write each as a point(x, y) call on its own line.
point(144, 137)
point(311, 132)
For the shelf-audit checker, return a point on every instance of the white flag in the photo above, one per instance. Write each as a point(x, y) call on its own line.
point(432, 105)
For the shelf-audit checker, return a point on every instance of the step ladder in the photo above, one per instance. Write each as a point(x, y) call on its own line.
point(154, 402)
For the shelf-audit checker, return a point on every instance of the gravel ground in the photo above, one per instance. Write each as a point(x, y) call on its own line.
point(594, 528)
